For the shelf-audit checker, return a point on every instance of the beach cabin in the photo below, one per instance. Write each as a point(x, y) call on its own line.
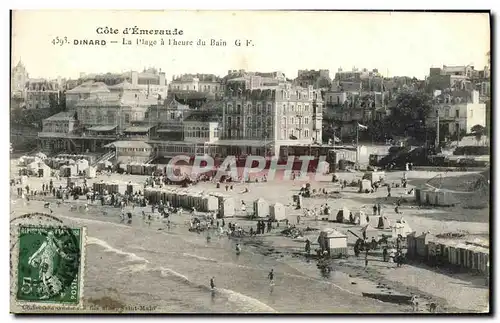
point(81, 165)
point(334, 242)
point(277, 212)
point(261, 208)
point(44, 170)
point(68, 171)
point(365, 185)
point(90, 172)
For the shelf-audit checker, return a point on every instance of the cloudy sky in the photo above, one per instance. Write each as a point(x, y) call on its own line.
point(395, 43)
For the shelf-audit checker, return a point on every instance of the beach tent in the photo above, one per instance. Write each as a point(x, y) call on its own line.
point(277, 212)
point(369, 232)
point(360, 218)
point(384, 223)
point(261, 208)
point(373, 220)
point(401, 227)
point(41, 155)
point(343, 215)
point(33, 167)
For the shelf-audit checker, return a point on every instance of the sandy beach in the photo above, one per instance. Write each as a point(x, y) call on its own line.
point(170, 267)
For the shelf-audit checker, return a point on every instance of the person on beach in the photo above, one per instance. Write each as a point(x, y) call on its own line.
point(388, 191)
point(238, 249)
point(366, 258)
point(298, 219)
point(308, 247)
point(374, 209)
point(271, 277)
point(414, 303)
point(379, 208)
point(212, 283)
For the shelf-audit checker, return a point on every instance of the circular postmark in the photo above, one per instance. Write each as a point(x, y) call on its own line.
point(48, 259)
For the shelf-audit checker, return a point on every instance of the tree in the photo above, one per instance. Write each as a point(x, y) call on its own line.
point(409, 115)
point(478, 131)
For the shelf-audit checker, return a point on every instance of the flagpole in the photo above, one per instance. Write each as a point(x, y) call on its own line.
point(357, 143)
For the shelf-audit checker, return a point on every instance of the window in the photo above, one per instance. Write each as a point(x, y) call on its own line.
point(249, 121)
point(259, 109)
point(283, 121)
point(457, 113)
point(284, 108)
point(249, 133)
point(306, 133)
point(269, 108)
point(269, 121)
point(292, 120)
point(238, 108)
point(111, 117)
point(471, 113)
point(306, 120)
point(292, 109)
point(229, 108)
point(306, 108)
point(198, 132)
point(249, 108)
point(238, 121)
point(127, 118)
point(229, 120)
point(216, 132)
point(283, 134)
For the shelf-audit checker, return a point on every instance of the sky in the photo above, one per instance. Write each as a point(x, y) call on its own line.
point(396, 43)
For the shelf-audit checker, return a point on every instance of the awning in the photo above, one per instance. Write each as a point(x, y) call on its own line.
point(250, 143)
point(102, 128)
point(138, 129)
point(128, 144)
point(169, 130)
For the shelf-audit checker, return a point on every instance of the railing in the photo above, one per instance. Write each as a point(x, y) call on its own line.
point(107, 156)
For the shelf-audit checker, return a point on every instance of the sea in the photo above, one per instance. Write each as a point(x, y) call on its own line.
point(168, 270)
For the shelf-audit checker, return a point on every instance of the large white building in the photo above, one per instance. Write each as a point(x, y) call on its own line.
point(458, 114)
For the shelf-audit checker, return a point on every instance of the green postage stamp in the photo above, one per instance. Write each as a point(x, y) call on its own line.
point(48, 267)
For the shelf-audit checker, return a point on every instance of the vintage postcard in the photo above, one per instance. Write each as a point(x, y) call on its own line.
point(250, 162)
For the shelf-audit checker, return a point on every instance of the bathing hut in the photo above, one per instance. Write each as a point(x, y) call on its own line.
point(43, 170)
point(132, 188)
point(333, 241)
point(277, 212)
point(116, 187)
point(210, 203)
point(227, 206)
point(99, 187)
point(81, 165)
point(68, 171)
point(261, 208)
point(90, 172)
point(365, 185)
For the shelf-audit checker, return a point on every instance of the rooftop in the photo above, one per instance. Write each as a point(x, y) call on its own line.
point(61, 116)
